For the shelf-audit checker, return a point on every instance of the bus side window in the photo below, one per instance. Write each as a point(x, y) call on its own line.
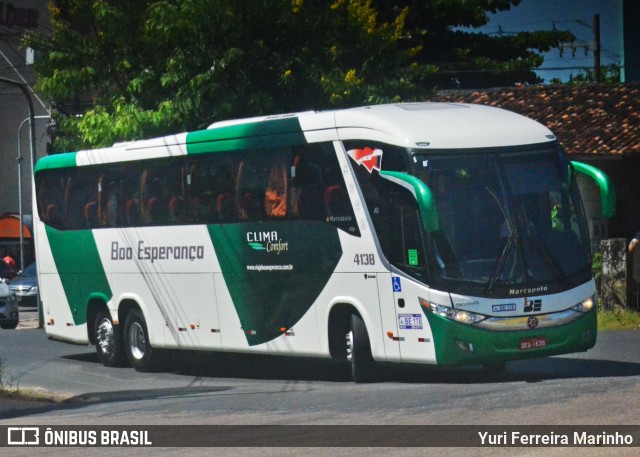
point(320, 188)
point(306, 189)
point(276, 193)
point(153, 188)
point(404, 246)
point(160, 185)
point(177, 209)
point(131, 197)
point(51, 198)
point(250, 187)
point(113, 210)
point(73, 203)
point(210, 183)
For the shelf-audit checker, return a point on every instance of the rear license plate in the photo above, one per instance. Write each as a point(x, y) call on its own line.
point(533, 343)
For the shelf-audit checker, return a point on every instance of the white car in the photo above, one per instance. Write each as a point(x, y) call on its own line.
point(8, 307)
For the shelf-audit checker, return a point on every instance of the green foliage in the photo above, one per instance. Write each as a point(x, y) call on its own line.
point(609, 74)
point(596, 267)
point(618, 319)
point(153, 67)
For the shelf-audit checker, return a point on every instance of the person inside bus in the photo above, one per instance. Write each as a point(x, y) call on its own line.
point(275, 196)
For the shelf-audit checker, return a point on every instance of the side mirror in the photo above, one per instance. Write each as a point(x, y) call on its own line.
point(607, 189)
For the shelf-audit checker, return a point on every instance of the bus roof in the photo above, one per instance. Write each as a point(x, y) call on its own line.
point(414, 125)
point(441, 126)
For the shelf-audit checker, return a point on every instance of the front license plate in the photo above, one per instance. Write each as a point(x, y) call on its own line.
point(410, 321)
point(533, 343)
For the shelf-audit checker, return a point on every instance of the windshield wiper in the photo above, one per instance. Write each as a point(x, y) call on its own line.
point(545, 253)
point(502, 261)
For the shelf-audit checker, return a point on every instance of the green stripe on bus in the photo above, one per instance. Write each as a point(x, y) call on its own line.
point(255, 142)
point(68, 159)
point(272, 288)
point(270, 133)
point(81, 272)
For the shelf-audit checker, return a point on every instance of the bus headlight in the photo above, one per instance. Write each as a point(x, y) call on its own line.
point(458, 315)
point(585, 305)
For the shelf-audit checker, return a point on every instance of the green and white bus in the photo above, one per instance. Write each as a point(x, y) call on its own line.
point(429, 233)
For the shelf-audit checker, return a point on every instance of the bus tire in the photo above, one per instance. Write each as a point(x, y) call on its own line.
point(136, 341)
point(109, 344)
point(9, 325)
point(363, 367)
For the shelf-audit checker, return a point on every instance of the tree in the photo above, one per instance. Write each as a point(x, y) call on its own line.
point(468, 59)
point(610, 74)
point(154, 67)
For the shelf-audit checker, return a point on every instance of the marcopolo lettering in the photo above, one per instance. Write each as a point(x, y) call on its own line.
point(532, 290)
point(154, 253)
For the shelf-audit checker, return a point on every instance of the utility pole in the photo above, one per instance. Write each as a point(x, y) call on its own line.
point(32, 143)
point(32, 130)
point(596, 48)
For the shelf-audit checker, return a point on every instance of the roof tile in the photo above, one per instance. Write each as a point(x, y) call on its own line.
point(601, 119)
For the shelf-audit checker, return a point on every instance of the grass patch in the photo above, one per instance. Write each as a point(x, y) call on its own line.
point(10, 392)
point(618, 319)
point(26, 395)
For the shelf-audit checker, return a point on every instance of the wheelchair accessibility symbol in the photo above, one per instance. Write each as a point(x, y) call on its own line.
point(397, 287)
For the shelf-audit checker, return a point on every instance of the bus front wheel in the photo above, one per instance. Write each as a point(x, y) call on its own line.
point(136, 341)
point(363, 367)
point(109, 344)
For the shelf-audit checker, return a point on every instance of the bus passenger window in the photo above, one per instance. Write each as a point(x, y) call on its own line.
point(319, 191)
point(73, 202)
point(251, 183)
point(210, 177)
point(132, 212)
point(51, 199)
point(177, 209)
point(224, 207)
point(306, 198)
point(336, 201)
point(112, 210)
point(91, 214)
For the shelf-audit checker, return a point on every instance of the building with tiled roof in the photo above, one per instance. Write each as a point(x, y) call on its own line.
point(609, 114)
point(595, 123)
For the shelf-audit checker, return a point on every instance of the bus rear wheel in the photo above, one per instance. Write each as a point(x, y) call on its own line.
point(109, 344)
point(136, 341)
point(363, 367)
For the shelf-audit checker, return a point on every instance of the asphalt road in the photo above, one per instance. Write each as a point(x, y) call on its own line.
point(600, 387)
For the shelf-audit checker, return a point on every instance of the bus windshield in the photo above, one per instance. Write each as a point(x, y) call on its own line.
point(511, 222)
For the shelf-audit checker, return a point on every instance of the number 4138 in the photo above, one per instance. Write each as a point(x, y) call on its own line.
point(364, 259)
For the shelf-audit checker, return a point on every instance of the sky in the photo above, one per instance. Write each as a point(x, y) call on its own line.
point(575, 16)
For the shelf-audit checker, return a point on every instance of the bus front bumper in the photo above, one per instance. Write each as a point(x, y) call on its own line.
point(463, 344)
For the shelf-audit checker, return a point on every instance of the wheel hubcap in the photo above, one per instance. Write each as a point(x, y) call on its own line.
point(349, 346)
point(137, 341)
point(105, 336)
